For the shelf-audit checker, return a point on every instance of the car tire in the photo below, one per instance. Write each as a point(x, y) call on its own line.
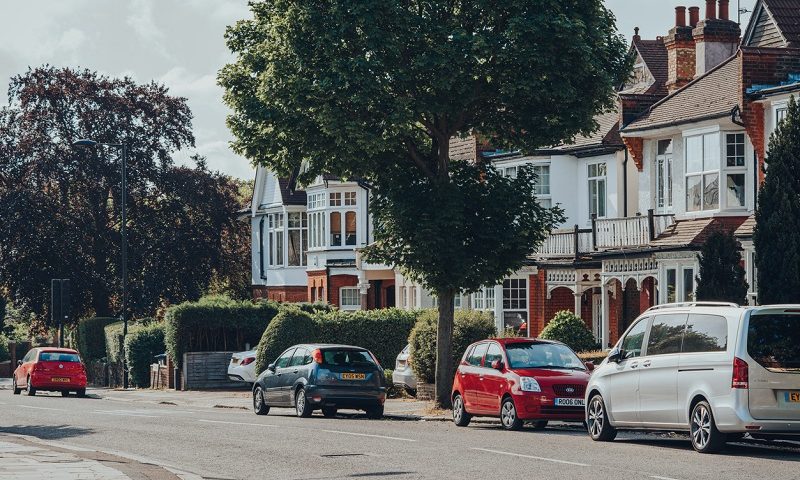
point(508, 415)
point(260, 406)
point(598, 426)
point(460, 416)
point(14, 387)
point(411, 392)
point(29, 390)
point(703, 430)
point(65, 393)
point(81, 393)
point(540, 425)
point(375, 413)
point(301, 405)
point(329, 412)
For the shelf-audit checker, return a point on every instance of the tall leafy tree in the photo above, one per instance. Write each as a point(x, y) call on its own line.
point(721, 276)
point(377, 89)
point(775, 238)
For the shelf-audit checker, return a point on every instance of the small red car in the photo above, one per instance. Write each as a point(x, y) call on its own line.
point(50, 369)
point(519, 380)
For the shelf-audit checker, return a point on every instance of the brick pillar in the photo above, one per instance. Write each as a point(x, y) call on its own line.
point(537, 297)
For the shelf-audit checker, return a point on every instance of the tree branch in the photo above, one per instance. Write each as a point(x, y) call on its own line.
point(417, 158)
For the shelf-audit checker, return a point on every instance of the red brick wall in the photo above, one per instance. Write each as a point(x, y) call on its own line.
point(586, 308)
point(561, 298)
point(290, 294)
point(316, 281)
point(335, 283)
point(647, 294)
point(614, 310)
point(537, 298)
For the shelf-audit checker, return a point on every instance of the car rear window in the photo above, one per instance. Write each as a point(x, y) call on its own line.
point(58, 357)
point(347, 358)
point(774, 342)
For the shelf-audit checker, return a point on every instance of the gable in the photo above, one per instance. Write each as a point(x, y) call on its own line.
point(641, 79)
point(763, 31)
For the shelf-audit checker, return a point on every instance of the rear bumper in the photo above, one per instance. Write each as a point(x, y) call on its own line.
point(531, 407)
point(404, 379)
point(241, 374)
point(44, 382)
point(347, 397)
point(732, 415)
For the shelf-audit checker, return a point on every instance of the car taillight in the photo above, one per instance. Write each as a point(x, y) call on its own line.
point(741, 374)
point(248, 360)
point(317, 356)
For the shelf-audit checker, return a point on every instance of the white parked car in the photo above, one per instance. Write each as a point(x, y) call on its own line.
point(714, 370)
point(403, 376)
point(243, 367)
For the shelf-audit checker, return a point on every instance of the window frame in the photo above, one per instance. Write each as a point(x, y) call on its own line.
point(597, 180)
point(304, 245)
point(728, 338)
point(727, 171)
point(664, 173)
point(349, 307)
point(704, 171)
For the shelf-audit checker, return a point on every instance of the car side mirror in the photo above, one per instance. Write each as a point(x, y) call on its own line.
point(589, 366)
point(19, 363)
point(271, 367)
point(615, 355)
point(497, 364)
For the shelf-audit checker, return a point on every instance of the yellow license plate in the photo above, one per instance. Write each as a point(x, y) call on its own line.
point(353, 376)
point(60, 380)
point(793, 397)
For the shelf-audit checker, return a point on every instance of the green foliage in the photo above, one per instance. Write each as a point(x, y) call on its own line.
point(775, 238)
point(215, 323)
point(722, 277)
point(392, 391)
point(113, 335)
point(91, 337)
point(4, 353)
point(569, 329)
point(3, 303)
point(469, 326)
point(595, 356)
point(289, 327)
point(384, 332)
point(314, 307)
point(141, 345)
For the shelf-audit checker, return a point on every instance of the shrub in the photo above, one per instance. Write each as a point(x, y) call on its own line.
point(113, 333)
point(5, 355)
point(215, 323)
point(289, 327)
point(595, 356)
point(315, 307)
point(469, 326)
point(91, 337)
point(567, 328)
point(141, 345)
point(383, 332)
point(392, 391)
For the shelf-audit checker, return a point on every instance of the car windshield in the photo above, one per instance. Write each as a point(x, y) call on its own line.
point(347, 358)
point(542, 355)
point(58, 357)
point(774, 342)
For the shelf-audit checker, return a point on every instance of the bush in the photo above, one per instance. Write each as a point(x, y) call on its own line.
point(595, 356)
point(5, 355)
point(383, 332)
point(141, 345)
point(469, 326)
point(315, 307)
point(289, 327)
point(392, 391)
point(215, 323)
point(567, 328)
point(91, 337)
point(113, 333)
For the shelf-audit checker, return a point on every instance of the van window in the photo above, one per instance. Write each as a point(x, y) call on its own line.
point(774, 342)
point(666, 334)
point(477, 354)
point(632, 344)
point(705, 333)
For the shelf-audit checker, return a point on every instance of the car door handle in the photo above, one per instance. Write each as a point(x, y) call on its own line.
point(646, 363)
point(296, 371)
point(634, 365)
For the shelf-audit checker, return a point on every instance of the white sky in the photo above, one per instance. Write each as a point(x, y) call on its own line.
point(179, 43)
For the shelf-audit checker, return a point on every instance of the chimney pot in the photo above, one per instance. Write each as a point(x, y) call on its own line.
point(694, 16)
point(711, 9)
point(680, 16)
point(724, 9)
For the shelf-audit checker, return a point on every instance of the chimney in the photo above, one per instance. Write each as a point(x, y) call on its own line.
point(680, 51)
point(694, 16)
point(636, 36)
point(716, 39)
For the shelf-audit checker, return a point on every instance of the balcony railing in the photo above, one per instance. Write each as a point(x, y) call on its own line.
point(605, 234)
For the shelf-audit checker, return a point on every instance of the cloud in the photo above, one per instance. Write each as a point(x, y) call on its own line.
point(143, 23)
point(184, 83)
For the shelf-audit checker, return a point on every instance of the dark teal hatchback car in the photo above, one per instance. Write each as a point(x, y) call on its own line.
point(323, 377)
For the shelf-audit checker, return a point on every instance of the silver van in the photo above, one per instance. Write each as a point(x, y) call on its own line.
point(715, 370)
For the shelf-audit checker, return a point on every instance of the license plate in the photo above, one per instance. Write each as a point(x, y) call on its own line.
point(570, 402)
point(353, 376)
point(792, 397)
point(60, 380)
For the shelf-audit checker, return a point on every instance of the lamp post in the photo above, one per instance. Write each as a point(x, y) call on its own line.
point(91, 143)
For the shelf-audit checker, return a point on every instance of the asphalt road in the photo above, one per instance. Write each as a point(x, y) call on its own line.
point(236, 444)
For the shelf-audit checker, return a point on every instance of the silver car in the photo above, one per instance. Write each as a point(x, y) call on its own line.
point(243, 367)
point(403, 376)
point(714, 370)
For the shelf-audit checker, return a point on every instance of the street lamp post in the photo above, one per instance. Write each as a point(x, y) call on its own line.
point(91, 143)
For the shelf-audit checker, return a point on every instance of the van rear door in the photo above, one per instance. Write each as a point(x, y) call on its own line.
point(773, 344)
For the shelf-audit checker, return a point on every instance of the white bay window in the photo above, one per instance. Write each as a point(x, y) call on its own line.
point(702, 172)
point(597, 189)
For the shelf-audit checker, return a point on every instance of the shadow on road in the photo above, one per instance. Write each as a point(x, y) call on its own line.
point(764, 451)
point(49, 432)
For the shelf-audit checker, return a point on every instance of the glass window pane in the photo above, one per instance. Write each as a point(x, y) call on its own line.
point(705, 333)
point(350, 228)
point(735, 190)
point(711, 153)
point(493, 353)
point(632, 344)
point(664, 146)
point(295, 248)
point(711, 191)
point(694, 154)
point(476, 356)
point(774, 342)
point(283, 360)
point(694, 193)
point(688, 284)
point(278, 248)
point(336, 229)
point(666, 334)
point(672, 285)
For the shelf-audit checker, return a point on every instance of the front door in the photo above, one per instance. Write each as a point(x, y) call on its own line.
point(658, 376)
point(622, 384)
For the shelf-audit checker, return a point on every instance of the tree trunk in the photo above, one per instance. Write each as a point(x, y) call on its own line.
point(444, 346)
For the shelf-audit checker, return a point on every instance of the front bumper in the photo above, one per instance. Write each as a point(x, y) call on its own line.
point(538, 406)
point(345, 397)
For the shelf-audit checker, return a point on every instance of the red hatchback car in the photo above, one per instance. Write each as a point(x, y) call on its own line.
point(519, 380)
point(51, 369)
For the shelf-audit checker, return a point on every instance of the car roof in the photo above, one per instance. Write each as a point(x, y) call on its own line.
point(327, 346)
point(511, 340)
point(56, 350)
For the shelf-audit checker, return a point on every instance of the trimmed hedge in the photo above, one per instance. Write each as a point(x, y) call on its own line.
point(469, 326)
point(141, 345)
point(215, 323)
point(5, 355)
point(91, 337)
point(113, 333)
point(567, 328)
point(289, 327)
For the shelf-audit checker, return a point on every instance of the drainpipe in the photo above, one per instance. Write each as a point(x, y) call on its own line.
point(625, 185)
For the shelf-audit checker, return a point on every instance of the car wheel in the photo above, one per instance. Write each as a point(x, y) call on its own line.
point(375, 413)
point(540, 425)
point(260, 407)
point(29, 390)
point(65, 393)
point(14, 387)
point(301, 405)
point(704, 434)
point(460, 416)
point(598, 425)
point(81, 392)
point(329, 412)
point(411, 392)
point(508, 415)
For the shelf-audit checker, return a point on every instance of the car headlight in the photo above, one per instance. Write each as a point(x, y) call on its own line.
point(529, 384)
